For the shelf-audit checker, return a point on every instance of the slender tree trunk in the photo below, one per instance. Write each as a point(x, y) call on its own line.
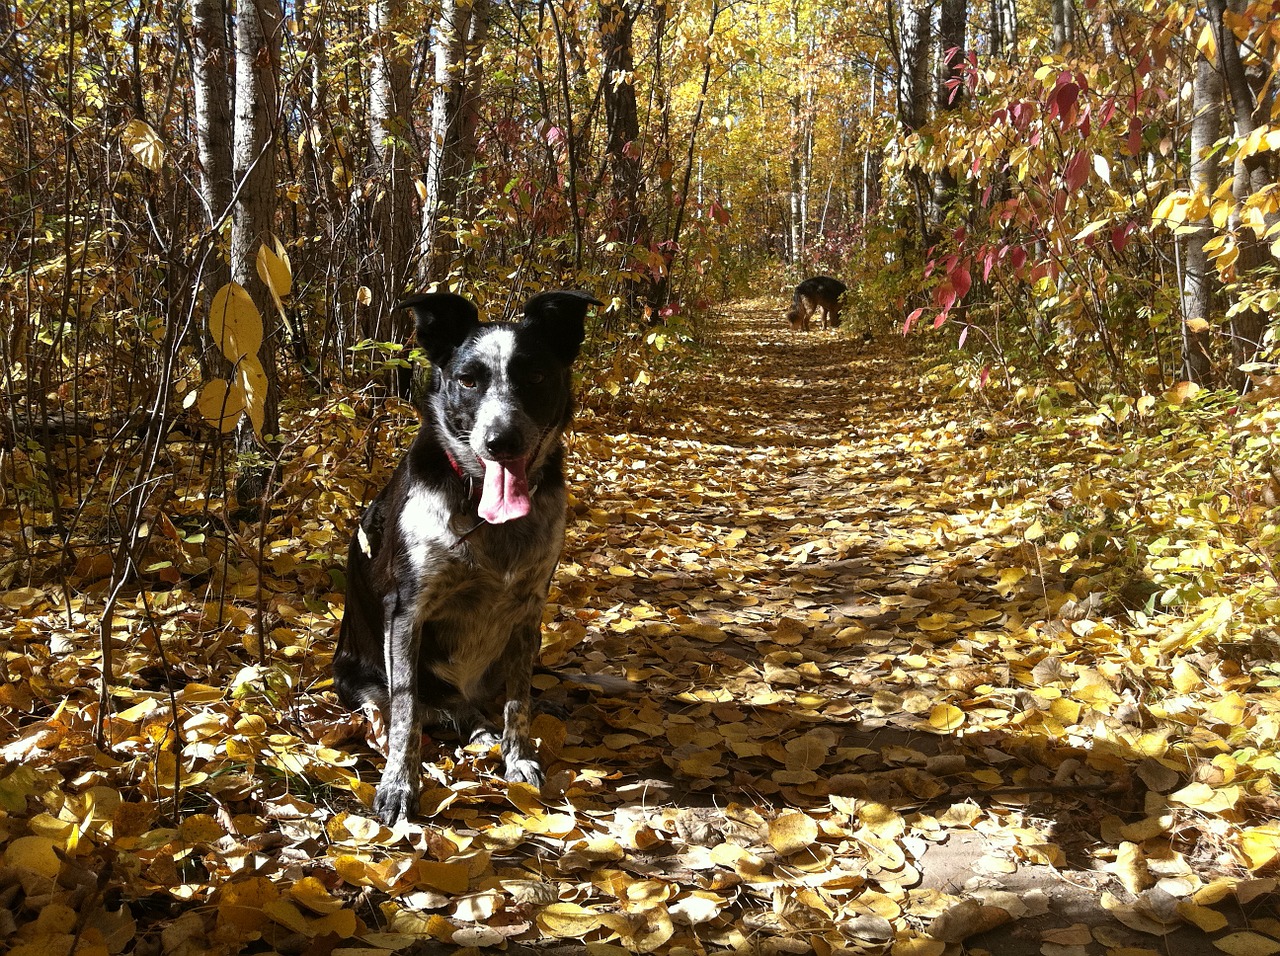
point(1064, 25)
point(913, 95)
point(391, 212)
point(259, 26)
point(623, 146)
point(872, 159)
point(662, 292)
point(950, 88)
point(456, 45)
point(806, 166)
point(1251, 176)
point(211, 61)
point(1004, 29)
point(795, 251)
point(317, 128)
point(1197, 282)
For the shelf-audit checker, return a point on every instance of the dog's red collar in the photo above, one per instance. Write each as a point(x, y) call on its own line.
point(467, 480)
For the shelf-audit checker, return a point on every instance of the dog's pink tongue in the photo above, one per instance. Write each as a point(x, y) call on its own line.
point(505, 495)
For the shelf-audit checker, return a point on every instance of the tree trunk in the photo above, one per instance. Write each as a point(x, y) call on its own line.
point(391, 203)
point(623, 148)
point(662, 291)
point(1004, 29)
point(314, 102)
point(796, 244)
point(1251, 176)
point(456, 45)
point(259, 26)
point(210, 62)
point(950, 89)
point(1197, 281)
point(872, 160)
point(913, 96)
point(1064, 25)
point(795, 168)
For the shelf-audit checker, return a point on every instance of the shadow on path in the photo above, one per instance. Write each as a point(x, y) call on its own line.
point(800, 563)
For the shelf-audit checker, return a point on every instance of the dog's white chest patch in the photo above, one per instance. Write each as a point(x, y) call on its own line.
point(424, 528)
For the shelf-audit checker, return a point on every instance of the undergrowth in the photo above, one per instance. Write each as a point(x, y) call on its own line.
point(1166, 500)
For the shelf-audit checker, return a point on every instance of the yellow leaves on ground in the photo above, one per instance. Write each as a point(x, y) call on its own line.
point(792, 832)
point(826, 674)
point(946, 718)
point(1207, 799)
point(1248, 944)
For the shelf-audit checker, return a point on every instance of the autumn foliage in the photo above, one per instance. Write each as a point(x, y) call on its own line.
point(952, 628)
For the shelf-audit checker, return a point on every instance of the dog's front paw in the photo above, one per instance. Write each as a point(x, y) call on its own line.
point(484, 738)
point(395, 800)
point(524, 770)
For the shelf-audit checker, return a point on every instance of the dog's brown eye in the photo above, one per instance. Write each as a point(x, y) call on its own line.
point(467, 381)
point(536, 378)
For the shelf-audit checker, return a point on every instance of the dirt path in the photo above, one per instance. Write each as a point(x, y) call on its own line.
point(824, 606)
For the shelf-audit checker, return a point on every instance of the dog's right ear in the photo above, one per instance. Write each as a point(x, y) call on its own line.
point(444, 322)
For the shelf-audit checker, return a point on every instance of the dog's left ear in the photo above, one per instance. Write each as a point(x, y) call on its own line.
point(560, 319)
point(444, 322)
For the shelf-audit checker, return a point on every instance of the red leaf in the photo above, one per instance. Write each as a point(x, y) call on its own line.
point(960, 280)
point(1120, 236)
point(1077, 172)
point(944, 296)
point(911, 320)
point(1064, 103)
point(982, 378)
point(1108, 110)
point(1134, 144)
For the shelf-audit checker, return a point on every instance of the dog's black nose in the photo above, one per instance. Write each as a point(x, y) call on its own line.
point(505, 444)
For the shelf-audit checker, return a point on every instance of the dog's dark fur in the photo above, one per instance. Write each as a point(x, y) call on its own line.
point(448, 572)
point(820, 294)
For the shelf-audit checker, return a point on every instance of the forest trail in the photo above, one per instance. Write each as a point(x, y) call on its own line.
point(800, 562)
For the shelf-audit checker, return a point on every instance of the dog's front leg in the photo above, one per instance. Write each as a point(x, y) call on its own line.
point(520, 760)
point(397, 796)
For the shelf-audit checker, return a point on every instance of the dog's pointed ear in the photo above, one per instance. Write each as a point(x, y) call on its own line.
point(444, 322)
point(560, 319)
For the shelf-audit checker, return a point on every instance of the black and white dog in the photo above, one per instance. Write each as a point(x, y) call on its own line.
point(448, 572)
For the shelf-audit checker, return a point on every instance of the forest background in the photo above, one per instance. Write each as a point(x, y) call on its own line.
point(1083, 195)
point(209, 212)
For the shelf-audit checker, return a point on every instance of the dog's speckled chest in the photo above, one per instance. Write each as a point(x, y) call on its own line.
point(474, 593)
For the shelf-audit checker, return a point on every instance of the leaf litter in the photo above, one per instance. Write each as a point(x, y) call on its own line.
point(815, 680)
